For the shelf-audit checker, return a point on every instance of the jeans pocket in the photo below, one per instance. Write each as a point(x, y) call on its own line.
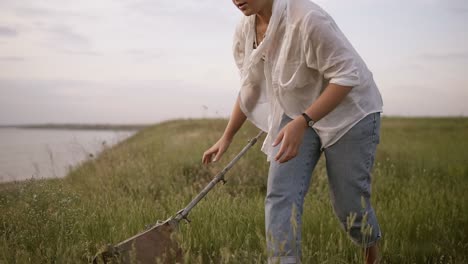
point(364, 129)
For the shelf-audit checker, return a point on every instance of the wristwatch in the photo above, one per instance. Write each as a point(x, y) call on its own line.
point(309, 120)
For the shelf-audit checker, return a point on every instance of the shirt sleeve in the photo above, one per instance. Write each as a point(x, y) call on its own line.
point(238, 46)
point(328, 51)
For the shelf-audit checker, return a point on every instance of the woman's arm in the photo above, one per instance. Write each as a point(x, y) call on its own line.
point(327, 101)
point(235, 123)
point(291, 135)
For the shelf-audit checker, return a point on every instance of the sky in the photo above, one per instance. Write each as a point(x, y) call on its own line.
point(145, 61)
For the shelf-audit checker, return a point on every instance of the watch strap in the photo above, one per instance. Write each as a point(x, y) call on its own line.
point(309, 120)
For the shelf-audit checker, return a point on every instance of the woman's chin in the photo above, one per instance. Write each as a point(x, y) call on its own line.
point(247, 12)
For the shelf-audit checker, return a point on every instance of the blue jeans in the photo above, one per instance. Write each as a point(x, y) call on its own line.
point(349, 163)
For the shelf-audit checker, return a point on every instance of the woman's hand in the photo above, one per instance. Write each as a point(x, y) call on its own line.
point(291, 135)
point(217, 149)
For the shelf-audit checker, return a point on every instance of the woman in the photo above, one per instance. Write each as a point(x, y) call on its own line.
point(304, 84)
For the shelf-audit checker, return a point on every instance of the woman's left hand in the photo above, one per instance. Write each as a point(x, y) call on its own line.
point(291, 135)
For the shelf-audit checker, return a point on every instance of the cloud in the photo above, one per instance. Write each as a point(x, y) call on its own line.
point(82, 52)
point(68, 34)
point(166, 7)
point(448, 56)
point(454, 6)
point(459, 10)
point(8, 32)
point(143, 55)
point(65, 39)
point(208, 10)
point(142, 52)
point(50, 12)
point(57, 24)
point(11, 58)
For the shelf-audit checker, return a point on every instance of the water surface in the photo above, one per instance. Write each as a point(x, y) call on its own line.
point(46, 153)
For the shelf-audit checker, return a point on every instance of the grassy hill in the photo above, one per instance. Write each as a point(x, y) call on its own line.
point(420, 181)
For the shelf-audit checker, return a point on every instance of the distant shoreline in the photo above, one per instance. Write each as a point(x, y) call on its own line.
point(79, 126)
point(141, 126)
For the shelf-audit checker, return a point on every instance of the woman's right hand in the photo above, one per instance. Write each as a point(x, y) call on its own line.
point(217, 149)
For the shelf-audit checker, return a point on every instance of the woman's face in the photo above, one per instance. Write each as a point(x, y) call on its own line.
point(250, 7)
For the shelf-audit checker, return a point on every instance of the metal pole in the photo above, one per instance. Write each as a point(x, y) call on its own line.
point(182, 214)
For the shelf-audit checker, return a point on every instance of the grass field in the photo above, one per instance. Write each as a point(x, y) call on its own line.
point(420, 185)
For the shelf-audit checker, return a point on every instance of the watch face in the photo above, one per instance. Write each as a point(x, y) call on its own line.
point(311, 123)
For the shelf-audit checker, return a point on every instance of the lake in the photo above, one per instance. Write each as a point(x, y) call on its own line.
point(47, 153)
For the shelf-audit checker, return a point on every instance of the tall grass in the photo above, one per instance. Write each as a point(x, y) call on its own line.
point(420, 180)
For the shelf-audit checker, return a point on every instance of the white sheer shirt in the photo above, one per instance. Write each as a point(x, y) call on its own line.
point(302, 52)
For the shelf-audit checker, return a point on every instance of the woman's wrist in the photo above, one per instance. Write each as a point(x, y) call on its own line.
point(300, 119)
point(227, 136)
